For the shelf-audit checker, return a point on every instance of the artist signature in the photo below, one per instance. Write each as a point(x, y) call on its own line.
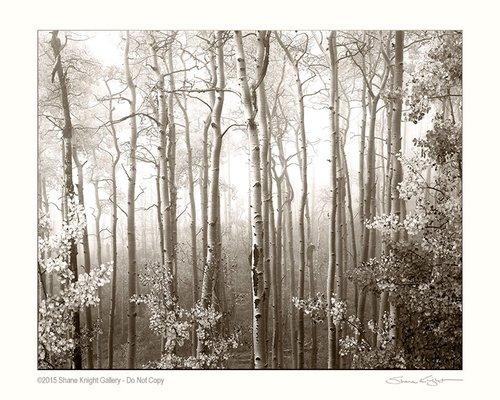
point(428, 380)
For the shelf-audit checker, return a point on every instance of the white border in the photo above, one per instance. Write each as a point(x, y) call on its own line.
point(18, 178)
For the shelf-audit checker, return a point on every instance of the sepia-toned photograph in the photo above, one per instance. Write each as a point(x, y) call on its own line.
point(249, 199)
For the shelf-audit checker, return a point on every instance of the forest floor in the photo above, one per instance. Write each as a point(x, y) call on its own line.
point(240, 360)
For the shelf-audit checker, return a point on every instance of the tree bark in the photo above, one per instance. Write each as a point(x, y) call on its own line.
point(171, 240)
point(86, 259)
point(289, 245)
point(256, 257)
point(192, 204)
point(68, 192)
point(100, 314)
point(369, 190)
point(131, 235)
point(332, 257)
point(163, 170)
point(299, 95)
point(279, 268)
point(269, 256)
point(213, 263)
point(213, 255)
point(205, 161)
point(397, 206)
point(114, 223)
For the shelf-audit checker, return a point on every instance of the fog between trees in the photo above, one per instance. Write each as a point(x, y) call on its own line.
point(250, 199)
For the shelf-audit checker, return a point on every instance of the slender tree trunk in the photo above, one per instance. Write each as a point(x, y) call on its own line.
point(384, 296)
point(172, 185)
point(312, 285)
point(269, 257)
point(112, 308)
point(114, 223)
point(339, 281)
point(398, 206)
point(369, 190)
point(43, 276)
point(192, 226)
point(341, 290)
point(344, 260)
point(213, 263)
point(373, 247)
point(334, 125)
point(312, 291)
point(164, 216)
point(291, 257)
point(257, 267)
point(228, 195)
point(159, 208)
point(352, 229)
point(86, 260)
point(279, 270)
point(289, 246)
point(69, 192)
point(276, 253)
point(205, 164)
point(369, 187)
point(45, 203)
point(361, 169)
point(131, 236)
point(303, 201)
point(275, 278)
point(100, 310)
point(302, 237)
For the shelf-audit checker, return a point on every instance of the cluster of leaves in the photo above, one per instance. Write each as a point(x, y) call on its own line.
point(317, 307)
point(423, 273)
point(443, 142)
point(174, 325)
point(365, 274)
point(412, 224)
point(364, 355)
point(355, 344)
point(373, 358)
point(56, 336)
point(437, 76)
point(421, 269)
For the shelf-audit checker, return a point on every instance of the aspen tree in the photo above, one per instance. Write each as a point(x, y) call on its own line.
point(387, 193)
point(114, 222)
point(275, 276)
point(68, 189)
point(248, 97)
point(369, 190)
point(397, 206)
point(86, 256)
point(289, 244)
point(205, 152)
point(159, 205)
point(192, 225)
point(131, 235)
point(163, 170)
point(276, 230)
point(299, 97)
point(213, 262)
point(332, 256)
point(172, 178)
point(278, 294)
point(97, 218)
point(187, 137)
point(264, 167)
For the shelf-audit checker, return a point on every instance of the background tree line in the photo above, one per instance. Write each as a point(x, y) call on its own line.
point(260, 199)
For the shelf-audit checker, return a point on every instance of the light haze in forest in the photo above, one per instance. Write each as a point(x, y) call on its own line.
point(249, 199)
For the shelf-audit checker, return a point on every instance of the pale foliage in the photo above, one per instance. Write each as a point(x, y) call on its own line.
point(56, 336)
